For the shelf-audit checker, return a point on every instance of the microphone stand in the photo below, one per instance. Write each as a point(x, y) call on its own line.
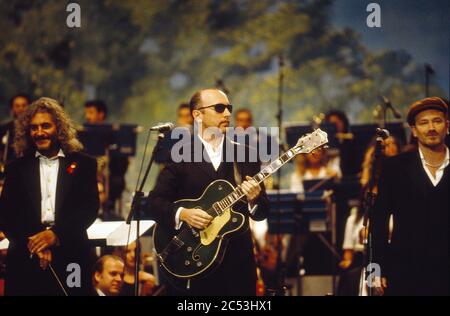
point(383, 122)
point(388, 105)
point(428, 71)
point(135, 212)
point(369, 203)
point(280, 268)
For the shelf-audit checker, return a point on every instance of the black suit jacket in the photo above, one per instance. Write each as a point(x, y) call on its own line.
point(416, 261)
point(76, 208)
point(237, 273)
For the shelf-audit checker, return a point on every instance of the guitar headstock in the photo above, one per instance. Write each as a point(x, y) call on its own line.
point(311, 142)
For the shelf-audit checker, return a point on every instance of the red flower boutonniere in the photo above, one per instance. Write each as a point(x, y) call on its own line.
point(71, 168)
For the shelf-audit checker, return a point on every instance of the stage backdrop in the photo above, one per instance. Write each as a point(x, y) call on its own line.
point(145, 57)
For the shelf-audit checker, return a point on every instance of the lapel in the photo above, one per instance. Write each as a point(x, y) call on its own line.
point(64, 182)
point(204, 165)
point(223, 165)
point(31, 177)
point(226, 168)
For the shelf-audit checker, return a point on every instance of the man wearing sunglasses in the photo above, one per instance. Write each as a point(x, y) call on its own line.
point(236, 274)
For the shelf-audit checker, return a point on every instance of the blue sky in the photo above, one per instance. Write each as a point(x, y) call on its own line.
point(421, 27)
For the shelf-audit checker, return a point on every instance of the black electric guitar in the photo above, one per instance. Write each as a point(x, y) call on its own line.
point(193, 253)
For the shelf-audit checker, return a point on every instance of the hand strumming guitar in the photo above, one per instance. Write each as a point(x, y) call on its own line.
point(195, 217)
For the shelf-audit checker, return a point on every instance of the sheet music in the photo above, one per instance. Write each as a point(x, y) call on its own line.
point(116, 232)
point(4, 244)
point(101, 230)
point(120, 235)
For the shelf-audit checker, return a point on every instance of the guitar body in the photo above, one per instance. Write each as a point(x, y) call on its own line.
point(189, 253)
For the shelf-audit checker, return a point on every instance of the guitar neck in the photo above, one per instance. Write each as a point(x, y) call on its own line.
point(228, 201)
point(274, 166)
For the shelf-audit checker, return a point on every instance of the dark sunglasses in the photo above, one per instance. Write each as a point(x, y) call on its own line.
point(219, 108)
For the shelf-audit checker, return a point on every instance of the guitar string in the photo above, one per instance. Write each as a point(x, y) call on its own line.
point(274, 166)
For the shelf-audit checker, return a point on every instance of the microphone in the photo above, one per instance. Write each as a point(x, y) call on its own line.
point(388, 104)
point(383, 133)
point(162, 127)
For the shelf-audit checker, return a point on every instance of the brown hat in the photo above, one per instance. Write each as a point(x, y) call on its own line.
point(432, 103)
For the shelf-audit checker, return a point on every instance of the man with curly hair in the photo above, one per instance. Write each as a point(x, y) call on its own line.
point(49, 199)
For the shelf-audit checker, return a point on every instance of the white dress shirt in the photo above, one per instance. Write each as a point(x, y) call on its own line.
point(439, 172)
point(48, 171)
point(214, 153)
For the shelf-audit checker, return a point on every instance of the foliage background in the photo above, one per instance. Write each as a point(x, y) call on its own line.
point(145, 57)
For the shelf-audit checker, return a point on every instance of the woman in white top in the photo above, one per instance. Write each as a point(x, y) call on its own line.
point(312, 166)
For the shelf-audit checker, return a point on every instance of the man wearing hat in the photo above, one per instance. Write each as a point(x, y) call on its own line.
point(413, 188)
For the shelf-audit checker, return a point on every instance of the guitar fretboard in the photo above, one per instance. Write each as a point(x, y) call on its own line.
point(219, 207)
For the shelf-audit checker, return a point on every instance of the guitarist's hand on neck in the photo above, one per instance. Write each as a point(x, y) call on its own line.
point(195, 217)
point(251, 189)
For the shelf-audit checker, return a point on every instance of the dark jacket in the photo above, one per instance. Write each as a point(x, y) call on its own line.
point(416, 261)
point(76, 208)
point(237, 273)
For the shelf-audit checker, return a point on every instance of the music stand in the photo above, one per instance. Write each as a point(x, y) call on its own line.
point(4, 244)
point(296, 130)
point(308, 212)
point(281, 220)
point(286, 206)
point(96, 138)
point(363, 136)
point(117, 139)
point(165, 144)
point(116, 143)
point(124, 138)
point(115, 233)
point(318, 184)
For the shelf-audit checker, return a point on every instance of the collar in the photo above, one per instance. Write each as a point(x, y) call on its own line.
point(209, 146)
point(41, 156)
point(99, 292)
point(444, 163)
